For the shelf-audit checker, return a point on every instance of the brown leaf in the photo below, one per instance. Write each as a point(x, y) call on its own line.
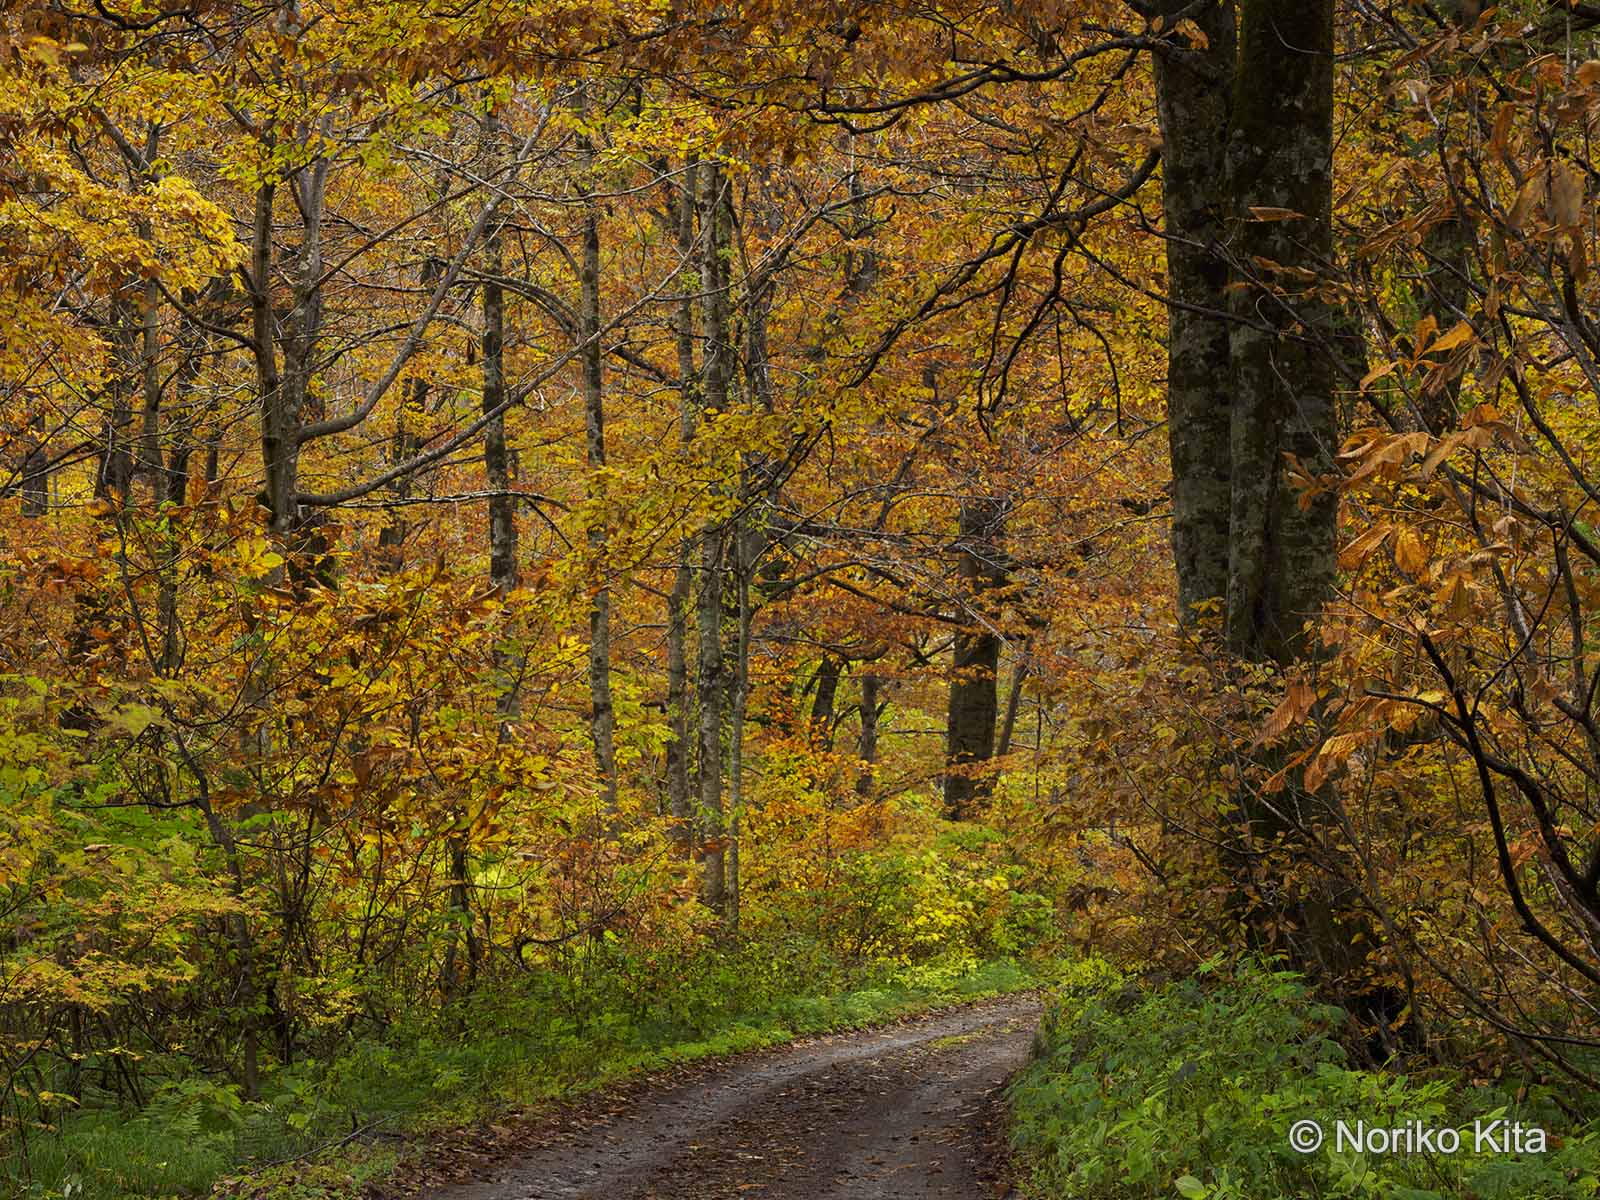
point(1529, 197)
point(1357, 552)
point(1292, 709)
point(1460, 335)
point(1376, 374)
point(1422, 332)
point(1268, 213)
point(1456, 598)
point(1566, 196)
point(1194, 33)
point(1500, 137)
point(1409, 553)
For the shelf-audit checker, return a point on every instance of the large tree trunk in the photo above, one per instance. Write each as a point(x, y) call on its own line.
point(1193, 99)
point(867, 742)
point(1286, 344)
point(973, 711)
point(1284, 339)
point(823, 701)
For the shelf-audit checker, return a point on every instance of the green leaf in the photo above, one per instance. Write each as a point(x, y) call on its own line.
point(1191, 1188)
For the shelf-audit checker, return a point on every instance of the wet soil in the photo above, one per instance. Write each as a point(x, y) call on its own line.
point(909, 1111)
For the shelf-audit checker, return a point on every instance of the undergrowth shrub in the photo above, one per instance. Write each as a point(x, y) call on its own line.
point(1190, 1090)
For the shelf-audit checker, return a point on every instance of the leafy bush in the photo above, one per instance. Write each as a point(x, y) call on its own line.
point(1190, 1090)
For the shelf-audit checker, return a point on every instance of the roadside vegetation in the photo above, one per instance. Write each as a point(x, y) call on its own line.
point(1141, 1091)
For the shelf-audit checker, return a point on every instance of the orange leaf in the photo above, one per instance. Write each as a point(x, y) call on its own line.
point(1566, 196)
point(1292, 709)
point(1357, 552)
point(1460, 335)
point(1409, 552)
point(1376, 374)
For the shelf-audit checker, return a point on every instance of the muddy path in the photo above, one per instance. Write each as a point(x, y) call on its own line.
point(909, 1110)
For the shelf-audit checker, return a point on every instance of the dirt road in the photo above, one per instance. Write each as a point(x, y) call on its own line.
point(904, 1111)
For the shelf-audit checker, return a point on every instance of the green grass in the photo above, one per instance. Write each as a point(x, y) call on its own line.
point(527, 1045)
point(1190, 1090)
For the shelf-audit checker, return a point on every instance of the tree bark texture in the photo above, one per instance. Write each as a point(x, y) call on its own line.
point(973, 708)
point(602, 719)
point(1280, 156)
point(679, 750)
point(1193, 97)
point(716, 372)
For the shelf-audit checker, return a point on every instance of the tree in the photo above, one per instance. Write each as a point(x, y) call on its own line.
point(1284, 336)
point(975, 660)
point(1194, 90)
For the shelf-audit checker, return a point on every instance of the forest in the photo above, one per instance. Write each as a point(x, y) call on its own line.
point(557, 550)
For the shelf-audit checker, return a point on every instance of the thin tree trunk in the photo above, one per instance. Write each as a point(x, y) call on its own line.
point(716, 374)
point(172, 489)
point(279, 449)
point(1447, 252)
point(496, 464)
point(1019, 676)
point(36, 470)
point(711, 691)
point(502, 533)
point(404, 445)
point(149, 456)
point(213, 466)
point(114, 479)
point(602, 720)
point(740, 683)
point(678, 745)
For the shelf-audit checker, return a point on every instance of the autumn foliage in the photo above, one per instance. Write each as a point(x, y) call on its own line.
point(548, 500)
